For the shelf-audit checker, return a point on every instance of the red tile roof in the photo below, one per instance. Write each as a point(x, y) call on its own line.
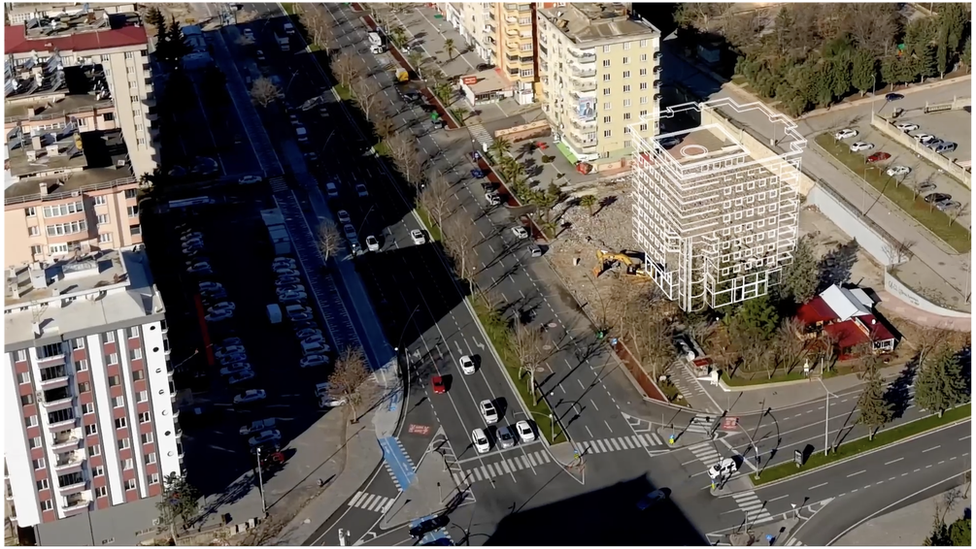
point(816, 310)
point(15, 40)
point(847, 333)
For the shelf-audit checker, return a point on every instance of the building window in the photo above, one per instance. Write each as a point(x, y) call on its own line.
point(100, 200)
point(47, 505)
point(123, 444)
point(135, 354)
point(23, 377)
point(606, 77)
point(38, 464)
point(146, 438)
point(643, 72)
point(135, 230)
point(606, 133)
point(643, 58)
point(606, 63)
point(626, 103)
point(108, 117)
point(42, 484)
point(643, 43)
point(607, 106)
point(138, 375)
point(127, 463)
point(64, 209)
point(153, 478)
point(643, 100)
point(626, 74)
point(97, 471)
point(33, 231)
point(105, 238)
point(133, 211)
point(643, 127)
point(118, 402)
point(94, 450)
point(606, 119)
point(32, 421)
point(141, 141)
point(643, 113)
point(626, 116)
point(27, 399)
point(62, 229)
point(643, 85)
point(143, 417)
point(150, 458)
point(111, 359)
point(626, 45)
point(120, 423)
point(30, 212)
point(114, 380)
point(21, 355)
point(626, 60)
point(606, 48)
point(102, 219)
point(81, 365)
point(101, 492)
point(626, 88)
point(35, 442)
point(91, 429)
point(109, 337)
point(57, 249)
point(143, 396)
point(77, 343)
point(130, 484)
point(129, 55)
point(36, 249)
point(84, 387)
point(606, 91)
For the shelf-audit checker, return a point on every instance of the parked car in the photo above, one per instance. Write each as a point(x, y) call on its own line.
point(301, 315)
point(192, 235)
point(438, 385)
point(349, 231)
point(287, 280)
point(308, 332)
point(222, 306)
point(429, 525)
point(934, 144)
point(898, 170)
point(229, 341)
point(235, 368)
point(493, 198)
point(480, 441)
point(488, 412)
point(907, 127)
point(316, 348)
point(417, 236)
point(894, 96)
point(218, 316)
point(292, 296)
point(947, 205)
point(525, 432)
point(846, 133)
point(926, 187)
point(257, 426)
point(861, 146)
point(651, 499)
point(241, 377)
point(343, 217)
point(209, 285)
point(331, 190)
point(326, 400)
point(935, 198)
point(232, 358)
point(945, 146)
point(372, 244)
point(467, 365)
point(250, 395)
point(923, 137)
point(286, 271)
point(250, 179)
point(879, 157)
point(311, 361)
point(520, 232)
point(361, 190)
point(201, 267)
point(229, 350)
point(535, 251)
point(505, 437)
point(216, 294)
point(271, 435)
point(289, 288)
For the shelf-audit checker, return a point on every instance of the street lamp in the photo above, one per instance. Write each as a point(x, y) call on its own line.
point(264, 507)
point(361, 225)
point(826, 407)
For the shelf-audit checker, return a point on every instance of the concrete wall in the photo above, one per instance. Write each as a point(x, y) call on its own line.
point(871, 239)
point(538, 128)
point(887, 127)
point(904, 293)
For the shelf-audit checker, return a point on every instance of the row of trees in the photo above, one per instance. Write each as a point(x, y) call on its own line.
point(812, 55)
point(170, 43)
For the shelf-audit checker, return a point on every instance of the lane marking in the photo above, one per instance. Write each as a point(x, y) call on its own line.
point(932, 448)
point(857, 473)
point(822, 484)
point(894, 461)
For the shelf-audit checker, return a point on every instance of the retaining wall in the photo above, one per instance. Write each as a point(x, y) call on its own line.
point(872, 240)
point(898, 289)
point(887, 127)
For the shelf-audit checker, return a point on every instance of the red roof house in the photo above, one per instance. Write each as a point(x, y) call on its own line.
point(15, 40)
point(846, 315)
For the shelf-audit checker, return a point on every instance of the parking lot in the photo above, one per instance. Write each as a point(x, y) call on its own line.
point(952, 126)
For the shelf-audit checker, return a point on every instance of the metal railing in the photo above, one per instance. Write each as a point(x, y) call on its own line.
point(74, 192)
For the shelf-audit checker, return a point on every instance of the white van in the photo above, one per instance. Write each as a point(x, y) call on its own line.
point(302, 134)
point(289, 28)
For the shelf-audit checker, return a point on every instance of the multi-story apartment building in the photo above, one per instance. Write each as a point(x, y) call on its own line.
point(717, 221)
point(87, 37)
point(90, 424)
point(600, 73)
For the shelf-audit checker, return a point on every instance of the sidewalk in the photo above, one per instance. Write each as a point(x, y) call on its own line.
point(908, 526)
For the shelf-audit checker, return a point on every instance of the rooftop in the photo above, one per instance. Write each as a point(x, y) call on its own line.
point(39, 92)
point(62, 166)
point(593, 21)
point(94, 30)
point(703, 142)
point(106, 287)
point(491, 80)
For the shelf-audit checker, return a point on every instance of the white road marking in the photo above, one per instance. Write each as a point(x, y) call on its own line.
point(857, 473)
point(822, 484)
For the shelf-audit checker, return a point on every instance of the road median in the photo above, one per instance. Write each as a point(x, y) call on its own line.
point(863, 445)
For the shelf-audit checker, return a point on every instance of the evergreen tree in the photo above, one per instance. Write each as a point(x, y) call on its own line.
point(864, 71)
point(967, 52)
point(799, 280)
point(961, 533)
point(941, 383)
point(875, 411)
point(757, 317)
point(889, 70)
point(178, 502)
point(927, 62)
point(841, 69)
point(952, 22)
point(942, 58)
point(155, 17)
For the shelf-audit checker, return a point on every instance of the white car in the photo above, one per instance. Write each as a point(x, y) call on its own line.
point(343, 216)
point(480, 441)
point(467, 365)
point(861, 146)
point(349, 231)
point(488, 412)
point(229, 350)
point(316, 339)
point(220, 315)
point(287, 280)
point(250, 179)
point(292, 296)
point(331, 190)
point(282, 264)
point(207, 285)
point(250, 395)
point(222, 306)
point(286, 271)
point(240, 377)
point(725, 467)
point(271, 435)
point(257, 426)
point(361, 190)
point(315, 349)
point(907, 127)
point(372, 244)
point(417, 236)
point(846, 133)
point(260, 55)
point(235, 368)
point(493, 198)
point(192, 236)
point(923, 137)
point(309, 332)
point(520, 232)
point(898, 170)
point(283, 259)
point(524, 430)
point(201, 267)
point(312, 361)
point(286, 288)
point(214, 294)
point(232, 359)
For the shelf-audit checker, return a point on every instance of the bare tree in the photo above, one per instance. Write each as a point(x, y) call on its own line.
point(329, 239)
point(458, 239)
point(367, 92)
point(790, 347)
point(956, 212)
point(529, 346)
point(348, 378)
point(899, 251)
point(267, 530)
point(402, 146)
point(931, 340)
point(644, 322)
point(264, 92)
point(345, 68)
point(435, 196)
point(384, 124)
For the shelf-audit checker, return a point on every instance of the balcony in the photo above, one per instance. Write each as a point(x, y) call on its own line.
point(579, 96)
point(658, 96)
point(59, 397)
point(511, 45)
point(528, 60)
point(588, 73)
point(511, 20)
point(584, 85)
point(56, 358)
point(76, 502)
point(582, 57)
point(66, 441)
point(658, 68)
point(657, 83)
point(512, 32)
point(72, 483)
point(61, 420)
point(69, 461)
point(54, 376)
point(584, 126)
point(658, 54)
point(510, 7)
point(176, 411)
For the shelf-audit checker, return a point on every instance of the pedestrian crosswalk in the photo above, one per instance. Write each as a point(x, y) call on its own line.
point(502, 467)
point(794, 541)
point(631, 442)
point(683, 380)
point(706, 453)
point(278, 185)
point(371, 502)
point(751, 505)
point(480, 134)
point(700, 424)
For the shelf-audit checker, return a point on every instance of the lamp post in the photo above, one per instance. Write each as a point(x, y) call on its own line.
point(361, 225)
point(264, 507)
point(826, 408)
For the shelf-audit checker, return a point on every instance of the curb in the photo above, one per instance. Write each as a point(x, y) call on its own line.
point(859, 455)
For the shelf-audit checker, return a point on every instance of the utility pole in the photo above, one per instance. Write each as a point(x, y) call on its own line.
point(826, 409)
point(264, 507)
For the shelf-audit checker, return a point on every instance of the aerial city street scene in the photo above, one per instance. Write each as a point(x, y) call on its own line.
point(487, 273)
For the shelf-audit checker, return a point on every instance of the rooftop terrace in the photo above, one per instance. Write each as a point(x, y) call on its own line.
point(597, 21)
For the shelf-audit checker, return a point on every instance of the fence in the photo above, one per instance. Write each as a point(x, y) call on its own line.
point(887, 127)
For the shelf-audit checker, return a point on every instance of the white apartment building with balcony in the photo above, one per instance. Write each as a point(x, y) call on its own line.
point(717, 221)
point(90, 422)
point(600, 74)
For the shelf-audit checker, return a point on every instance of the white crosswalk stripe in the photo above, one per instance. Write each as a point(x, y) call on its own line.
point(371, 502)
point(706, 453)
point(794, 541)
point(700, 424)
point(631, 442)
point(751, 505)
point(503, 467)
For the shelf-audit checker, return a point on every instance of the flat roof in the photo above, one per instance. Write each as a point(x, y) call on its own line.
point(701, 143)
point(110, 287)
point(594, 22)
point(69, 104)
point(488, 81)
point(16, 41)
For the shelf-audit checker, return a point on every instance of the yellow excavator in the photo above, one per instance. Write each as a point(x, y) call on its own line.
point(606, 261)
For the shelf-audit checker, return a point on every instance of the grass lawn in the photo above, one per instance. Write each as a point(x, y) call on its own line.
point(289, 7)
point(857, 446)
point(951, 232)
point(435, 231)
point(382, 149)
point(500, 336)
point(345, 93)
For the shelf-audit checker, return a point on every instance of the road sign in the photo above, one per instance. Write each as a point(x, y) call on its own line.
point(729, 423)
point(798, 458)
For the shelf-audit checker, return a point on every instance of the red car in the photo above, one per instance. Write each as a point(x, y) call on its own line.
point(439, 386)
point(878, 157)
